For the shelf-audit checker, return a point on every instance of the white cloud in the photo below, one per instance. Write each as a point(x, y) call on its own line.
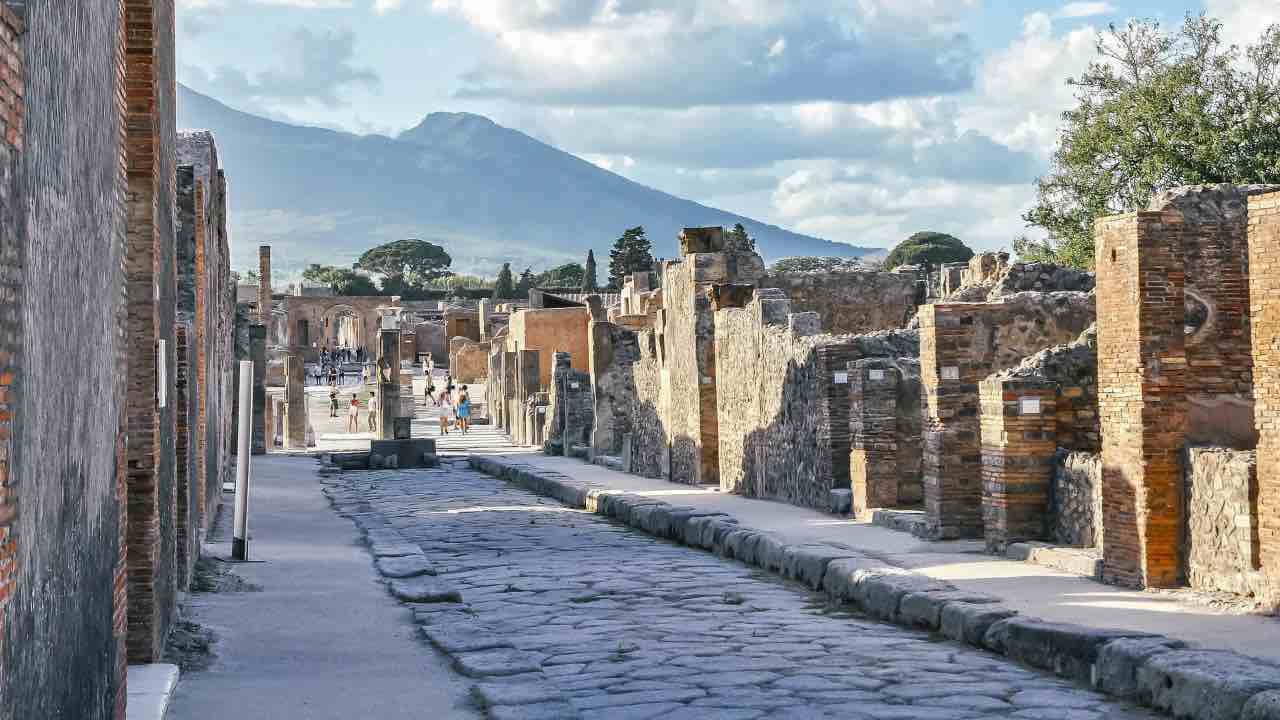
point(1243, 20)
point(205, 5)
point(705, 52)
point(383, 7)
point(1084, 10)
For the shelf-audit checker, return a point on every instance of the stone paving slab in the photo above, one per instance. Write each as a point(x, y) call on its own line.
point(598, 620)
point(1192, 685)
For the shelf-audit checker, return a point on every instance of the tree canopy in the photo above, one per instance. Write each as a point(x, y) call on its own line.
point(568, 275)
point(817, 264)
point(1157, 110)
point(589, 273)
point(928, 248)
point(631, 253)
point(343, 281)
point(738, 238)
point(406, 263)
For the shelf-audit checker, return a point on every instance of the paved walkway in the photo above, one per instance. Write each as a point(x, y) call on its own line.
point(1030, 589)
point(567, 615)
point(322, 640)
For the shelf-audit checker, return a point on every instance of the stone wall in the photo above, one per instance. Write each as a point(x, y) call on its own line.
point(570, 413)
point(549, 331)
point(1222, 532)
point(468, 360)
point(430, 337)
point(627, 392)
point(62, 227)
point(1076, 499)
point(849, 302)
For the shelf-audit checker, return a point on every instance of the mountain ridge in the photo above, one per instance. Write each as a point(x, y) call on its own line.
point(487, 193)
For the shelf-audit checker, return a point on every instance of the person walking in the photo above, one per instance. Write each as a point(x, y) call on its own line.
point(373, 413)
point(431, 392)
point(353, 414)
point(333, 402)
point(464, 410)
point(444, 410)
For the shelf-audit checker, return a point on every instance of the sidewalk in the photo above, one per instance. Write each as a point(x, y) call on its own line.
point(1030, 589)
point(322, 640)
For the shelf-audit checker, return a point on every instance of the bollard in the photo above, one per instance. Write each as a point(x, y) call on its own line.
point(240, 532)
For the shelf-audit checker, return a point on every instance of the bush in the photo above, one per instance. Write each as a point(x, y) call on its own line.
point(928, 248)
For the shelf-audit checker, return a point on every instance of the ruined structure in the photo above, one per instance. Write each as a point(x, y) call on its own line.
point(111, 459)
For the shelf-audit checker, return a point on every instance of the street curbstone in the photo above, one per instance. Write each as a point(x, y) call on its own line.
point(1065, 649)
point(1116, 671)
point(1204, 684)
point(923, 608)
point(1263, 706)
point(968, 622)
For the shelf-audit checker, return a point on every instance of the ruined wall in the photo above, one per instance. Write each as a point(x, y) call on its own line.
point(468, 360)
point(430, 337)
point(849, 302)
point(570, 416)
point(960, 345)
point(627, 395)
point(1264, 285)
point(1075, 515)
point(550, 331)
point(61, 318)
point(1222, 533)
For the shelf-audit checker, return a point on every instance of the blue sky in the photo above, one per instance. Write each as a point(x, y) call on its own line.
point(856, 120)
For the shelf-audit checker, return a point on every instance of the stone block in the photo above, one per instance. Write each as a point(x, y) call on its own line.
point(468, 637)
point(841, 502)
point(1263, 706)
point(808, 563)
point(1204, 684)
point(404, 566)
point(1116, 671)
point(842, 576)
point(880, 596)
point(412, 453)
point(968, 622)
point(701, 240)
point(424, 590)
point(923, 608)
point(1065, 649)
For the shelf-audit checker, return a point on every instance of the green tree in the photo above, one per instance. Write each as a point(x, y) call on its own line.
point(525, 284)
point(1155, 111)
point(928, 248)
point(406, 263)
point(568, 275)
point(343, 281)
point(817, 264)
point(504, 288)
point(589, 274)
point(739, 238)
point(631, 253)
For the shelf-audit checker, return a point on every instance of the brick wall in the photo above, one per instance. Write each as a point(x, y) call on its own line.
point(61, 632)
point(1019, 438)
point(960, 345)
point(1142, 394)
point(12, 108)
point(873, 427)
point(1264, 284)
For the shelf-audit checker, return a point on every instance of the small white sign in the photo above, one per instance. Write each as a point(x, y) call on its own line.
point(542, 410)
point(162, 375)
point(951, 372)
point(841, 378)
point(1029, 406)
point(877, 374)
point(574, 385)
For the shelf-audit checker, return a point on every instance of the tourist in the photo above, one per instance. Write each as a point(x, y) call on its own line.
point(431, 392)
point(333, 375)
point(444, 410)
point(333, 402)
point(353, 414)
point(373, 413)
point(448, 385)
point(464, 410)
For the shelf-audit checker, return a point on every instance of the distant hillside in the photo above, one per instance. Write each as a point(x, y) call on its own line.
point(488, 194)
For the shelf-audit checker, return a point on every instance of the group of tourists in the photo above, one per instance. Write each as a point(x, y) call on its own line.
point(452, 406)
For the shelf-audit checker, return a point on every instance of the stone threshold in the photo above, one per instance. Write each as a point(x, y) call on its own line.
point(1149, 669)
point(1086, 562)
point(150, 688)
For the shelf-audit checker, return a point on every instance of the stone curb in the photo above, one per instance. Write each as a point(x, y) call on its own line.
point(1151, 670)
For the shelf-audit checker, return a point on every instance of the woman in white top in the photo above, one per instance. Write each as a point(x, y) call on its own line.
point(444, 411)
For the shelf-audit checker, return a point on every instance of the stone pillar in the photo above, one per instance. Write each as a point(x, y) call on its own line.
point(264, 285)
point(1018, 442)
point(952, 454)
point(1142, 395)
point(482, 316)
point(258, 354)
point(388, 383)
point(513, 413)
point(408, 348)
point(269, 424)
point(1264, 293)
point(528, 382)
point(873, 430)
point(295, 428)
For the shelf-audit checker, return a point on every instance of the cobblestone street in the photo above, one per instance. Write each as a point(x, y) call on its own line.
point(565, 614)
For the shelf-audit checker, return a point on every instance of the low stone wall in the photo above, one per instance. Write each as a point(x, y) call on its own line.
point(468, 360)
point(851, 301)
point(1076, 499)
point(627, 396)
point(1222, 533)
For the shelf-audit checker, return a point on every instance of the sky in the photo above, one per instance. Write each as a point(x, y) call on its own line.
point(859, 121)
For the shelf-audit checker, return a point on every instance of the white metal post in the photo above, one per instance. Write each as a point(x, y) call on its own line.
point(240, 533)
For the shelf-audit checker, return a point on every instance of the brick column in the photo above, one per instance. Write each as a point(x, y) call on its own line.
point(11, 286)
point(295, 429)
point(264, 285)
point(952, 454)
point(1264, 293)
point(1142, 395)
point(388, 384)
point(1018, 442)
point(258, 354)
point(873, 434)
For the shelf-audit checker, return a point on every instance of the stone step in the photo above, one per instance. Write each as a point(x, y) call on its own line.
point(1078, 561)
point(912, 521)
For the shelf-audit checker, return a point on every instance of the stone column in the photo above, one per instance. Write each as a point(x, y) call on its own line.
point(1142, 369)
point(482, 316)
point(873, 430)
point(264, 285)
point(269, 424)
point(514, 414)
point(527, 383)
point(295, 429)
point(388, 382)
point(258, 354)
point(1018, 442)
point(1264, 293)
